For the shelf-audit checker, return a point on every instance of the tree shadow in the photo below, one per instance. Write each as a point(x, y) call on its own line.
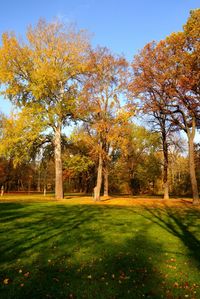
point(181, 222)
point(79, 251)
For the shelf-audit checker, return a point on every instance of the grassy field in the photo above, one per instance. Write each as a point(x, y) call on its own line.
point(78, 249)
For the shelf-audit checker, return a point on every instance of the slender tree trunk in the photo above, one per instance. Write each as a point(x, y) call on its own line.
point(39, 181)
point(105, 181)
point(165, 168)
point(45, 190)
point(85, 183)
point(193, 179)
point(58, 164)
point(80, 183)
point(29, 185)
point(2, 190)
point(97, 188)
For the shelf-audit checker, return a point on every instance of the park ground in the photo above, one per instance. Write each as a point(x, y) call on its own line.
point(121, 247)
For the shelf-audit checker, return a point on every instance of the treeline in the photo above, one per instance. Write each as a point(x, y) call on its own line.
point(55, 78)
point(136, 170)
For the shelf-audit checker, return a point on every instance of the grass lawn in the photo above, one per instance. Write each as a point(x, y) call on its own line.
point(77, 250)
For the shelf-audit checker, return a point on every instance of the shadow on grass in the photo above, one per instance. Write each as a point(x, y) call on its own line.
point(59, 251)
point(184, 223)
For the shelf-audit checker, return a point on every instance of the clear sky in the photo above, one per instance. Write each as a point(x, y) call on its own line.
point(124, 26)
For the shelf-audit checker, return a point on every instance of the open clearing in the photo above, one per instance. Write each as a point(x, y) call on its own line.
point(118, 248)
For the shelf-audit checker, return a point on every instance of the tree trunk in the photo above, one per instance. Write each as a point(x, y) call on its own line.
point(166, 190)
point(193, 179)
point(105, 181)
point(85, 183)
point(58, 164)
point(165, 168)
point(97, 188)
point(2, 190)
point(80, 183)
point(29, 185)
point(45, 190)
point(39, 181)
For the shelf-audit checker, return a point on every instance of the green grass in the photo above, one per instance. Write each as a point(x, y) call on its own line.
point(53, 250)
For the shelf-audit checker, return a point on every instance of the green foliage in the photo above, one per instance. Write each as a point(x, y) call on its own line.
point(148, 171)
point(140, 164)
point(19, 134)
point(77, 163)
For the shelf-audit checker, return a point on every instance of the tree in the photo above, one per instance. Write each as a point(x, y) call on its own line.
point(20, 131)
point(182, 50)
point(101, 97)
point(78, 162)
point(175, 72)
point(149, 85)
point(46, 72)
point(178, 167)
point(139, 165)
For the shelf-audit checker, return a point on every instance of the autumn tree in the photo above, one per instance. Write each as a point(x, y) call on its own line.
point(45, 71)
point(101, 97)
point(174, 79)
point(19, 133)
point(78, 162)
point(179, 175)
point(138, 167)
point(182, 50)
point(149, 85)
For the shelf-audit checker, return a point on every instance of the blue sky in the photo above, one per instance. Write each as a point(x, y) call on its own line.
point(124, 26)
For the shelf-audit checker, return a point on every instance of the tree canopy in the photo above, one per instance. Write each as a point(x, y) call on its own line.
point(55, 77)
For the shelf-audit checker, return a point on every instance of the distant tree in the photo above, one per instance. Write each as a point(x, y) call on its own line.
point(140, 165)
point(78, 162)
point(19, 133)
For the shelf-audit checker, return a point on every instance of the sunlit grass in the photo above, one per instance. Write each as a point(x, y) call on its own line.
point(61, 250)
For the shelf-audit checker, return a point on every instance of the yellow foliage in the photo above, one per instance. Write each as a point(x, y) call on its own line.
point(43, 70)
point(19, 132)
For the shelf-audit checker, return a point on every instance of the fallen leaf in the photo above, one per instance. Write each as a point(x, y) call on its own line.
point(186, 285)
point(27, 274)
point(6, 281)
